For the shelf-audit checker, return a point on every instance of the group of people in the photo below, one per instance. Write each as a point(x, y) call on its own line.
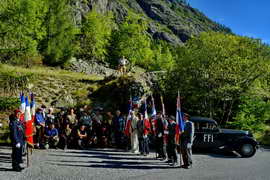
point(93, 127)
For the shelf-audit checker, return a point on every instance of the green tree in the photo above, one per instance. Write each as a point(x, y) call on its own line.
point(20, 28)
point(58, 46)
point(163, 56)
point(214, 69)
point(96, 34)
point(132, 41)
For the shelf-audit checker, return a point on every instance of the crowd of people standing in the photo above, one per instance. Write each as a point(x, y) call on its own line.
point(88, 127)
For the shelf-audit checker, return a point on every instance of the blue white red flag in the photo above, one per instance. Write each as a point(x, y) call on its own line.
point(27, 113)
point(154, 112)
point(145, 110)
point(179, 115)
point(128, 121)
point(29, 120)
point(22, 106)
point(33, 105)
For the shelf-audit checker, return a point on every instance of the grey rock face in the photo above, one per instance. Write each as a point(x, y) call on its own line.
point(179, 19)
point(92, 67)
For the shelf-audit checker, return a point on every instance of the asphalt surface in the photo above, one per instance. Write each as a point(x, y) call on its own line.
point(115, 164)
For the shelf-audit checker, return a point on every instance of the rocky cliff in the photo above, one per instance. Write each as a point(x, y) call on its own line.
point(171, 20)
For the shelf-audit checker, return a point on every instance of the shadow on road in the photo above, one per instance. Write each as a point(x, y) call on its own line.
point(217, 154)
point(5, 159)
point(116, 165)
point(119, 159)
point(109, 159)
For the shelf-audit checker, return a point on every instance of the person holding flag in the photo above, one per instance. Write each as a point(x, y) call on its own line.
point(17, 139)
point(187, 138)
point(186, 132)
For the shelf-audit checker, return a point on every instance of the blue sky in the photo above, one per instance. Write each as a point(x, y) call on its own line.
point(245, 17)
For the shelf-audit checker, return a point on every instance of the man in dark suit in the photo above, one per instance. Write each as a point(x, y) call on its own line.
point(17, 139)
point(186, 142)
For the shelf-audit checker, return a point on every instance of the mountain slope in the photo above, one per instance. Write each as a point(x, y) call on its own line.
point(170, 20)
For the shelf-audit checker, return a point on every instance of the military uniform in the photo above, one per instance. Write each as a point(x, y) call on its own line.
point(186, 144)
point(17, 140)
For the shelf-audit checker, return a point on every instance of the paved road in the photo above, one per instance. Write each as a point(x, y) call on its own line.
point(113, 164)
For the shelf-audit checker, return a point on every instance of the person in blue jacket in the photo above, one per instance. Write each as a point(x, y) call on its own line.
point(17, 137)
point(40, 127)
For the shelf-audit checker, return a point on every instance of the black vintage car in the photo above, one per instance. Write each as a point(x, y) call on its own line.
point(209, 136)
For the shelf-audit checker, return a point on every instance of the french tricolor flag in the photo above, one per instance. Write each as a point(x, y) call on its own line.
point(22, 107)
point(27, 113)
point(33, 105)
point(179, 115)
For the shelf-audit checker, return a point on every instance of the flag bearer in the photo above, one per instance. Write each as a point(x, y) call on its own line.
point(17, 139)
point(186, 142)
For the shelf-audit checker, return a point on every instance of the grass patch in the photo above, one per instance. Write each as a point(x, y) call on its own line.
point(47, 71)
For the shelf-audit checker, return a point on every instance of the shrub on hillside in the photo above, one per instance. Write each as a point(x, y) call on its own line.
point(9, 103)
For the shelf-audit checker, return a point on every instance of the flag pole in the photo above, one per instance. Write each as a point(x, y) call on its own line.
point(27, 157)
point(180, 142)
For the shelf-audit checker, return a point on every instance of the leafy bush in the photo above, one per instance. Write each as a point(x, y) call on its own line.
point(214, 69)
point(9, 103)
point(12, 82)
point(252, 114)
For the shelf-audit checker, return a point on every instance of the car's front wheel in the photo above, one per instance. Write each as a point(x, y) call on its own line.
point(247, 150)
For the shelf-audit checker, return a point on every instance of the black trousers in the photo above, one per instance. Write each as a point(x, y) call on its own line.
point(171, 151)
point(63, 141)
point(187, 156)
point(144, 145)
point(39, 134)
point(119, 139)
point(159, 147)
point(16, 156)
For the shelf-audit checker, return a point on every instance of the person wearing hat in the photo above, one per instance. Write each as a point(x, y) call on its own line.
point(186, 142)
point(17, 139)
point(171, 146)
